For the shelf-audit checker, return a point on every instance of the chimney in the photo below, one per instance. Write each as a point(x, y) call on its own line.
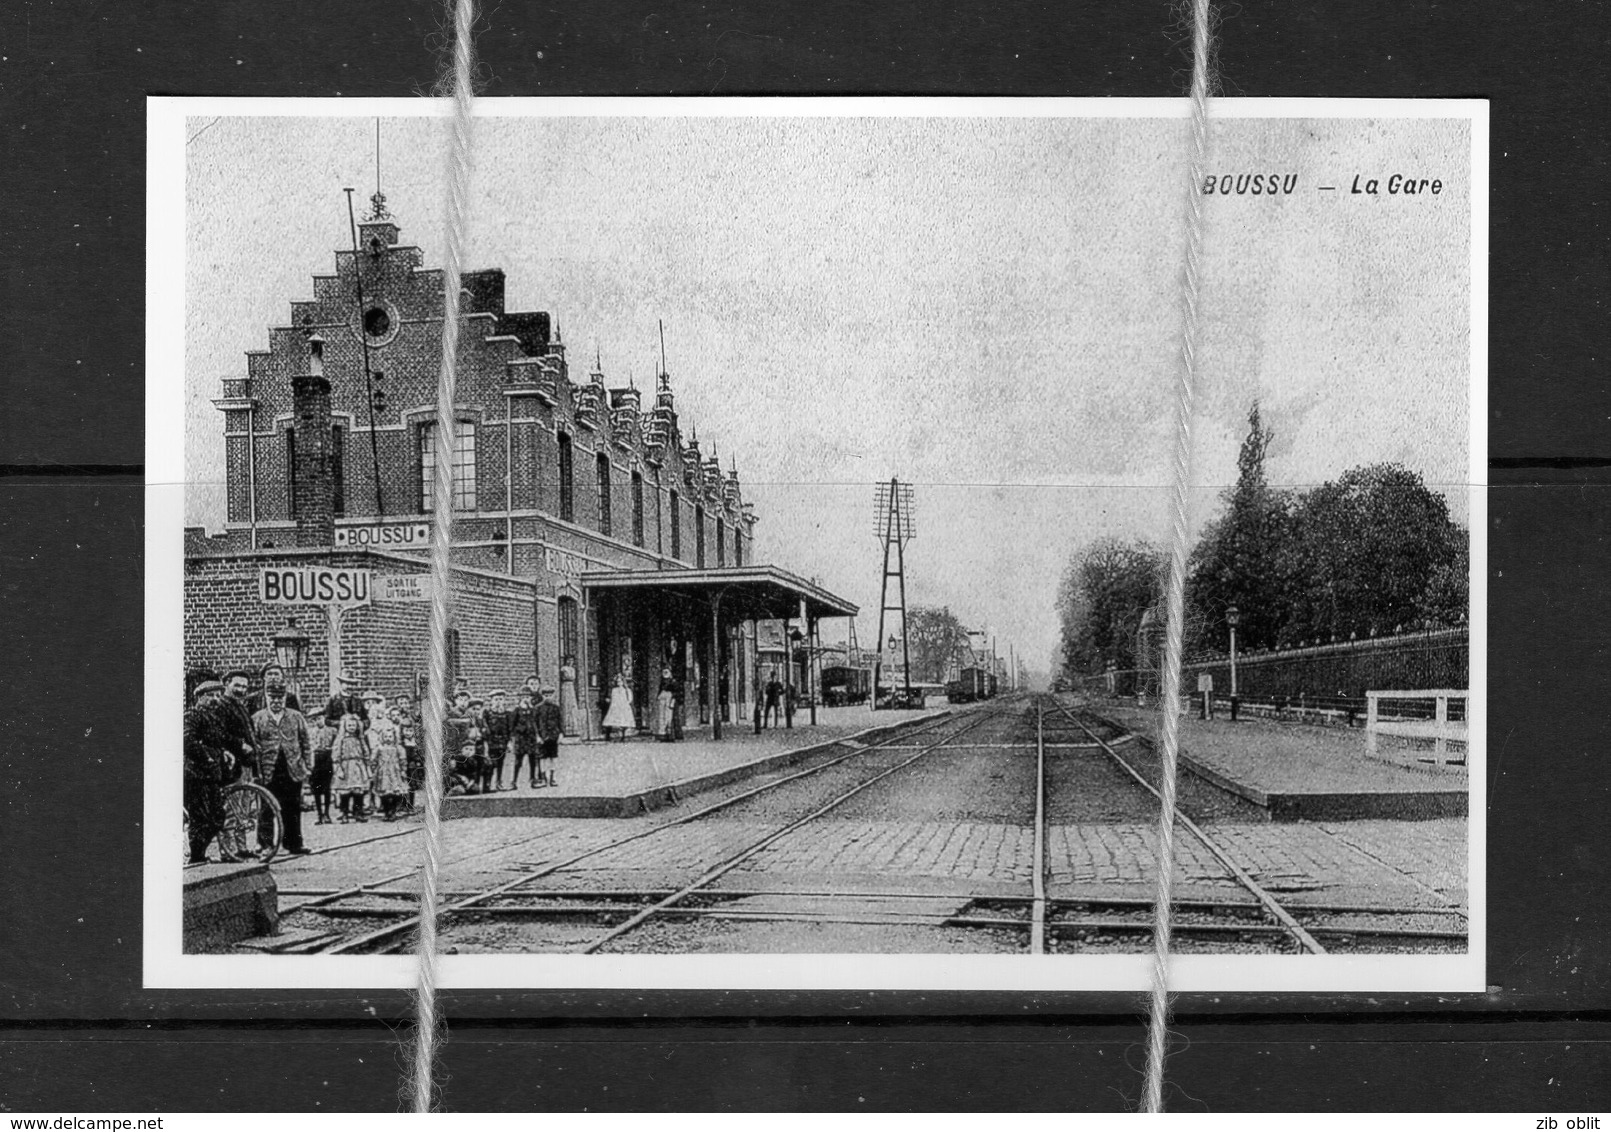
point(311, 487)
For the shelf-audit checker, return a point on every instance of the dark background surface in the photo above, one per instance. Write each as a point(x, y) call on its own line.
point(78, 1032)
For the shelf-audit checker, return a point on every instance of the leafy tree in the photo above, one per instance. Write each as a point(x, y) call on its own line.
point(1371, 552)
point(1105, 590)
point(1239, 559)
point(935, 638)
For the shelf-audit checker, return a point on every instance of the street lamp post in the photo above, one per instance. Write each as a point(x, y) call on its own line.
point(1233, 617)
point(291, 652)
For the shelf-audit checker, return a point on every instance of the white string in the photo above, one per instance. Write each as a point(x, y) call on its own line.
point(1175, 594)
point(428, 1025)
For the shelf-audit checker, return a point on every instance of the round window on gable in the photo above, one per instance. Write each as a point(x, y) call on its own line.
point(376, 324)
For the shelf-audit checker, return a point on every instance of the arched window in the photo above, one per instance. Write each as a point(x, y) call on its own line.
point(699, 537)
point(738, 547)
point(567, 479)
point(721, 542)
point(603, 463)
point(570, 629)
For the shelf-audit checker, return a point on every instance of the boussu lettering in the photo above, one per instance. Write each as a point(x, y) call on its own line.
point(313, 585)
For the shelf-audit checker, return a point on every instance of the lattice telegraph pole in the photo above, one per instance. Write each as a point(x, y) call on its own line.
point(894, 524)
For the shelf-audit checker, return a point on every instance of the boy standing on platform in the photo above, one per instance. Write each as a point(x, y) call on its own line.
point(548, 723)
point(497, 727)
point(524, 738)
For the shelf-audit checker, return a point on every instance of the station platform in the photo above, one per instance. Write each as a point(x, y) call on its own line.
point(1301, 772)
point(224, 904)
point(619, 779)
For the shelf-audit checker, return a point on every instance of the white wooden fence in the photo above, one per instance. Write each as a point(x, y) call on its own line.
point(1440, 728)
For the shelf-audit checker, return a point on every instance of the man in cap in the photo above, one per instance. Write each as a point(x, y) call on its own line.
point(207, 760)
point(345, 702)
point(548, 721)
point(273, 677)
point(283, 754)
point(237, 722)
point(497, 728)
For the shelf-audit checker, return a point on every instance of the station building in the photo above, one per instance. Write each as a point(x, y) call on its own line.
point(588, 528)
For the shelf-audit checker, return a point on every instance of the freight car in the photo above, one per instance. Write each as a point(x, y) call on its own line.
point(843, 685)
point(970, 686)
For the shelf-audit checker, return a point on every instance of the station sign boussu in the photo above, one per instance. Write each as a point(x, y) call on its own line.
point(313, 585)
point(384, 535)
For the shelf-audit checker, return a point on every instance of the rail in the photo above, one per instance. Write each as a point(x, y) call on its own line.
point(1271, 905)
point(392, 930)
point(1037, 914)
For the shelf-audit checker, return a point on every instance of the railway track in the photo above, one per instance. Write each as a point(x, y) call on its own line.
point(397, 933)
point(1302, 925)
point(562, 898)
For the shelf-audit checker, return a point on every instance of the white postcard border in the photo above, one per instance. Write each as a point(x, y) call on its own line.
point(164, 964)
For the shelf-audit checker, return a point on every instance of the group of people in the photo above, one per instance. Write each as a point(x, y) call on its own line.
point(620, 715)
point(358, 748)
point(666, 721)
point(483, 732)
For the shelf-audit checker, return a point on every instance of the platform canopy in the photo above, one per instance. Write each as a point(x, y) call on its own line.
point(762, 593)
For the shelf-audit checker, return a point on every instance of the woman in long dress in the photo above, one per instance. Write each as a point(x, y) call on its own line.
point(569, 722)
point(665, 703)
point(619, 717)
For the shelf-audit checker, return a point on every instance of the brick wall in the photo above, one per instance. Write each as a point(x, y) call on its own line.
point(383, 645)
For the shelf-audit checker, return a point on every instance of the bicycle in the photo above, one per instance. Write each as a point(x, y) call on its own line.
point(252, 823)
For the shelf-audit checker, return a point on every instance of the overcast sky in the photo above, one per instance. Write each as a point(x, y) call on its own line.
point(985, 307)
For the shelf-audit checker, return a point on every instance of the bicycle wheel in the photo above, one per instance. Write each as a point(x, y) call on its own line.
point(252, 822)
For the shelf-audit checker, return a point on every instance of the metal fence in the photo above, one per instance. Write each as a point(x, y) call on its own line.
point(1329, 677)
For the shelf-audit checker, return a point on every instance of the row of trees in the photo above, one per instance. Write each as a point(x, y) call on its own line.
point(1370, 553)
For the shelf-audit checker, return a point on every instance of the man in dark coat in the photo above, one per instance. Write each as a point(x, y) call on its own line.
point(207, 758)
point(772, 715)
point(548, 721)
point(237, 721)
point(273, 677)
point(345, 702)
point(284, 759)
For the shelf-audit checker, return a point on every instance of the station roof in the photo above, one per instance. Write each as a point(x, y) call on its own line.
point(761, 592)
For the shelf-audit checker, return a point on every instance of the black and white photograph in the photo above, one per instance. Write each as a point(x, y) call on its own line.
point(811, 479)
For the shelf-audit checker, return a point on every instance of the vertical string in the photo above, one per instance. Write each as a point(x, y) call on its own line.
point(428, 1025)
point(1175, 593)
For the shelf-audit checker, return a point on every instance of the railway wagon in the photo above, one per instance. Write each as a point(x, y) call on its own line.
point(970, 686)
point(843, 685)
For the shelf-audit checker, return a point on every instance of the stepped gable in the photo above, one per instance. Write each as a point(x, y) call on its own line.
point(399, 321)
point(381, 358)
